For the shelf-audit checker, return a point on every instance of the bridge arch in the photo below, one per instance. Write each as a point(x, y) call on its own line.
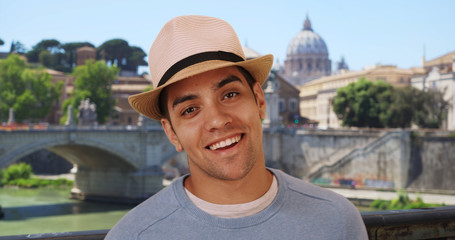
point(90, 153)
point(112, 164)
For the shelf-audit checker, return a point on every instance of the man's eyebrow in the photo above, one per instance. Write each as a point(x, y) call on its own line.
point(227, 80)
point(179, 100)
point(222, 83)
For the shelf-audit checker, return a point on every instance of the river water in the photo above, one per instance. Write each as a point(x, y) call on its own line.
point(30, 211)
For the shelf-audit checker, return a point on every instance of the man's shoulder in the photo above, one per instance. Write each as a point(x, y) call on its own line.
point(156, 208)
point(312, 192)
point(323, 205)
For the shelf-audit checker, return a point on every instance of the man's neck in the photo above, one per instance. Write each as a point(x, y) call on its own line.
point(251, 187)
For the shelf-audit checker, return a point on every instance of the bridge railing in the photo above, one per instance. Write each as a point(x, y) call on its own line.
point(48, 127)
point(428, 223)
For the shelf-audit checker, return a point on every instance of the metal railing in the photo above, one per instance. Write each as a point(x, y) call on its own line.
point(428, 223)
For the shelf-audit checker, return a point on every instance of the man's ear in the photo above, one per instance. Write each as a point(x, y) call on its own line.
point(170, 133)
point(260, 99)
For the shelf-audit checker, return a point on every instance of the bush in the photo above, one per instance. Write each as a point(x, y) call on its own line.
point(19, 175)
point(380, 204)
point(27, 183)
point(402, 202)
point(16, 171)
point(36, 182)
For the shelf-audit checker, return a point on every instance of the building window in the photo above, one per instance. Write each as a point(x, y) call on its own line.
point(282, 105)
point(293, 104)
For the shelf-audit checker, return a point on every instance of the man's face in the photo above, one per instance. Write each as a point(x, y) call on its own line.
point(216, 119)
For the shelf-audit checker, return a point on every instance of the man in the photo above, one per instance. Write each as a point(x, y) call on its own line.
point(210, 103)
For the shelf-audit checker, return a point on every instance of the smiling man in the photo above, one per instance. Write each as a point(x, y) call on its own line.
point(209, 100)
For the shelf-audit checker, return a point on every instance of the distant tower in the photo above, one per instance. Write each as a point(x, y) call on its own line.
point(342, 66)
point(85, 53)
point(307, 57)
point(272, 116)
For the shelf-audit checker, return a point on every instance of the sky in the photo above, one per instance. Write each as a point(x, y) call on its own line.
point(387, 32)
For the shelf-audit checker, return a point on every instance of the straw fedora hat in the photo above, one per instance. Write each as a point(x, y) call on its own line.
point(190, 45)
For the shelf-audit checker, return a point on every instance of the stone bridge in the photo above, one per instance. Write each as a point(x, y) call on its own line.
point(112, 163)
point(126, 163)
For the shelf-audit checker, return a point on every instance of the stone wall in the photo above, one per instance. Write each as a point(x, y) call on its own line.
point(394, 159)
point(433, 163)
point(303, 152)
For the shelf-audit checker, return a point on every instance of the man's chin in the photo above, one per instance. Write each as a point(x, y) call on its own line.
point(233, 174)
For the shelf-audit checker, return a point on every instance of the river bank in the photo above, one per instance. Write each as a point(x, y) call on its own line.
point(29, 211)
point(367, 194)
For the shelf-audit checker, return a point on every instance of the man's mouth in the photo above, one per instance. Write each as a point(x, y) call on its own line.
point(225, 143)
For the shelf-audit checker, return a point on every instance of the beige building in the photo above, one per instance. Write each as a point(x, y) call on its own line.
point(84, 54)
point(288, 100)
point(288, 94)
point(123, 87)
point(316, 96)
point(441, 77)
point(67, 80)
point(443, 63)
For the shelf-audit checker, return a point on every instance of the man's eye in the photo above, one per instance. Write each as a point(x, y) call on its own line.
point(188, 110)
point(231, 94)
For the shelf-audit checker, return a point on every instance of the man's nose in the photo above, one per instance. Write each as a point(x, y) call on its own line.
point(216, 117)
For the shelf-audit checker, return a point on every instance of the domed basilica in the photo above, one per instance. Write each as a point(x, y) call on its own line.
point(307, 57)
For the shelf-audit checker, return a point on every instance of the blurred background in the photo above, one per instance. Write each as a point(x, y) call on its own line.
point(360, 100)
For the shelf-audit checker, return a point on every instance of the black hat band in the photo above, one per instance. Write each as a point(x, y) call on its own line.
point(198, 58)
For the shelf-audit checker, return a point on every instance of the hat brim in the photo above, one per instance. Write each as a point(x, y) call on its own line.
point(146, 103)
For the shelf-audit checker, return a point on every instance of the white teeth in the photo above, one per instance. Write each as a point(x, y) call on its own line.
point(225, 143)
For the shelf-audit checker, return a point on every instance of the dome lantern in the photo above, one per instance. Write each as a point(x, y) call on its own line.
point(307, 24)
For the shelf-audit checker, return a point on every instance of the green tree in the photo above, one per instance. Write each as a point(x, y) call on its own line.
point(1, 42)
point(17, 47)
point(118, 52)
point(52, 54)
point(51, 45)
point(28, 91)
point(135, 59)
point(115, 52)
point(378, 104)
point(46, 59)
point(363, 103)
point(400, 112)
point(430, 108)
point(93, 80)
point(49, 53)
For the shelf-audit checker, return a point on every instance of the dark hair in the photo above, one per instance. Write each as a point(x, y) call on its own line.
point(162, 99)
